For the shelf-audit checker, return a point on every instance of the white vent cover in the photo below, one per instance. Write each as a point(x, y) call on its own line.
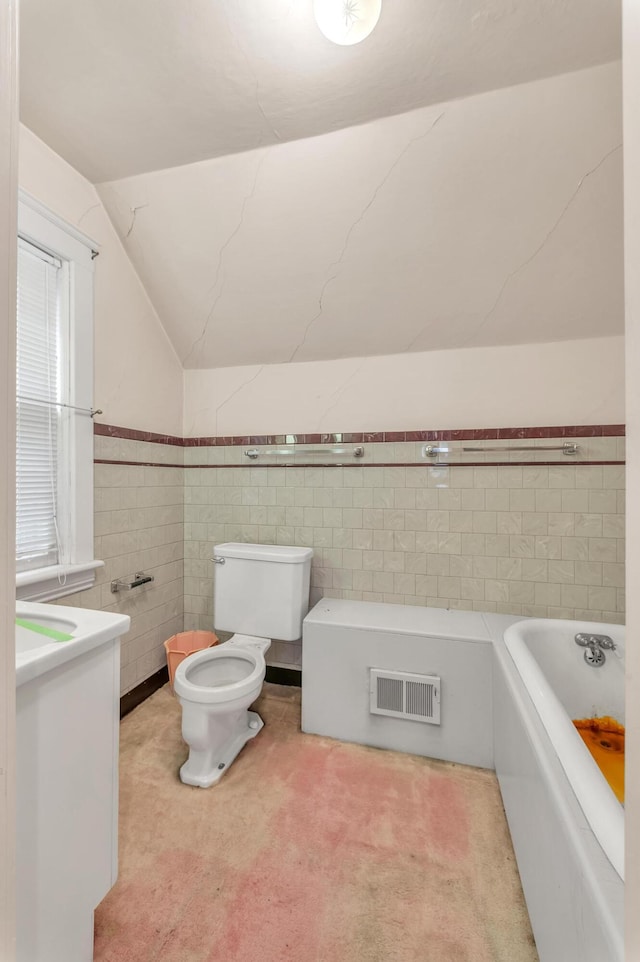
point(402, 695)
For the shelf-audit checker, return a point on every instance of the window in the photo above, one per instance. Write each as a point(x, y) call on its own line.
point(38, 387)
point(54, 451)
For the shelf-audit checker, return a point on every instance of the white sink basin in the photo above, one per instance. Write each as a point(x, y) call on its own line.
point(49, 621)
point(28, 640)
point(38, 653)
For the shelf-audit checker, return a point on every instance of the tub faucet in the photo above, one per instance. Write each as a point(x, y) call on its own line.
point(595, 647)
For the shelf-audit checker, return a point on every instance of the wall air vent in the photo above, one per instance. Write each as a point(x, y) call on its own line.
point(402, 695)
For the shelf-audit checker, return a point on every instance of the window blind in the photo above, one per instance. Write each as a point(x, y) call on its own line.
point(38, 388)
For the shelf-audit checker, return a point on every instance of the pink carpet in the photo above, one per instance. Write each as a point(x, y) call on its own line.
point(309, 850)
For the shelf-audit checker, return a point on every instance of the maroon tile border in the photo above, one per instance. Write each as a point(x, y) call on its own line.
point(139, 464)
point(131, 434)
point(368, 437)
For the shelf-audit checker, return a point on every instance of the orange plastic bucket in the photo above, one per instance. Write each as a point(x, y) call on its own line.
point(185, 643)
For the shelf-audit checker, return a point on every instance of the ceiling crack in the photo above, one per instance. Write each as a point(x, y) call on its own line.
point(338, 263)
point(538, 249)
point(87, 211)
point(134, 211)
point(237, 390)
point(337, 394)
point(205, 327)
point(416, 338)
point(249, 64)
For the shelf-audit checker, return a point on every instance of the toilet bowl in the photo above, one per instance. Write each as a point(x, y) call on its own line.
point(260, 592)
point(215, 688)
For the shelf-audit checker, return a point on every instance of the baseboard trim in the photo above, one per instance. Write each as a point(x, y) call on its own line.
point(284, 676)
point(142, 691)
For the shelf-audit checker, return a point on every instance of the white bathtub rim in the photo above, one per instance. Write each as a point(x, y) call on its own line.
point(591, 862)
point(602, 810)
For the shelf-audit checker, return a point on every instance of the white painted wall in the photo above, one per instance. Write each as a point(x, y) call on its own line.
point(631, 40)
point(138, 378)
point(8, 177)
point(573, 382)
point(495, 219)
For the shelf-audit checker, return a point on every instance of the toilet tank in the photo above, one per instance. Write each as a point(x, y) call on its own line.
point(261, 589)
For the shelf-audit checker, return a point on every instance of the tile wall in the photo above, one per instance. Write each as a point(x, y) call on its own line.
point(543, 536)
point(139, 515)
point(537, 539)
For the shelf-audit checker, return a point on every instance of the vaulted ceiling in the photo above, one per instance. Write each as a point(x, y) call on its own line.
point(494, 219)
point(120, 87)
point(454, 180)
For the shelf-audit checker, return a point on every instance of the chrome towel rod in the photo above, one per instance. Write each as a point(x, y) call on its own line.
point(254, 453)
point(570, 448)
point(59, 404)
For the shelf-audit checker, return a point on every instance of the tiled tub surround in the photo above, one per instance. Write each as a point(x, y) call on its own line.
point(544, 538)
point(139, 505)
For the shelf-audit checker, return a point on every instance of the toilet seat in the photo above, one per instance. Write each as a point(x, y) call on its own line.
point(248, 663)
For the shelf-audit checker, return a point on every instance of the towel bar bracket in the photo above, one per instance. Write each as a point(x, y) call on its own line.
point(139, 579)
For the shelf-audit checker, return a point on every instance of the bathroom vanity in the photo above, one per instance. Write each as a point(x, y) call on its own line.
point(67, 777)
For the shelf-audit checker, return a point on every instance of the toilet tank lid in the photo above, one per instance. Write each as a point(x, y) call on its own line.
point(284, 554)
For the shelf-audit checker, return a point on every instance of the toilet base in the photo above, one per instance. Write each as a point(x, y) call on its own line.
point(204, 768)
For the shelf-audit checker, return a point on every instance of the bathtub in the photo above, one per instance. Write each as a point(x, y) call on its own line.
point(566, 824)
point(510, 688)
point(563, 687)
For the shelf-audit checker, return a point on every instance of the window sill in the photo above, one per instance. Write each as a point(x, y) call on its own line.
point(43, 584)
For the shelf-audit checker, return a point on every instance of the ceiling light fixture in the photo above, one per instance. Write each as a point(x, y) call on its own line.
point(346, 21)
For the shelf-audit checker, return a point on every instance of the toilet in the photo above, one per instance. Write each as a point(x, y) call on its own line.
point(260, 592)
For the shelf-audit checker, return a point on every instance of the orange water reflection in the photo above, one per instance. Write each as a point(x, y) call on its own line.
point(604, 737)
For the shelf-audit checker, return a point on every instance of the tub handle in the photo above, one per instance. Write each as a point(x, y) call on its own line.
point(604, 642)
